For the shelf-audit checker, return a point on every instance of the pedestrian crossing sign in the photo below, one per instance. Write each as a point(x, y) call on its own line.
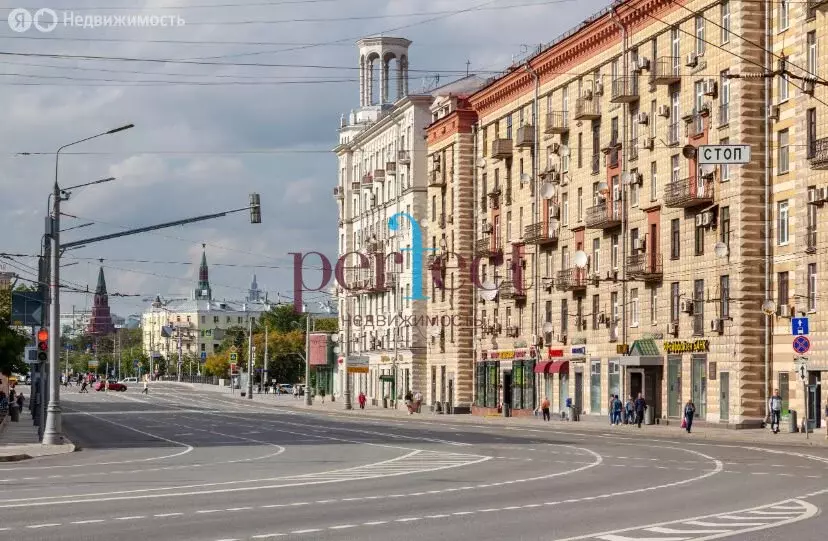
point(234, 357)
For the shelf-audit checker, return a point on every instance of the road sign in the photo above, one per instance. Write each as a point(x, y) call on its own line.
point(93, 363)
point(802, 368)
point(233, 369)
point(234, 357)
point(801, 344)
point(135, 363)
point(203, 354)
point(27, 309)
point(799, 325)
point(724, 154)
point(357, 365)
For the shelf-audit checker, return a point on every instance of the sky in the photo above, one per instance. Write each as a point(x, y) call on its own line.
point(245, 96)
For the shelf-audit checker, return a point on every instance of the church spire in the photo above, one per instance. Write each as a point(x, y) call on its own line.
point(100, 322)
point(101, 287)
point(203, 291)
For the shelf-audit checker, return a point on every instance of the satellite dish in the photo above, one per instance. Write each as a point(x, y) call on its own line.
point(525, 179)
point(581, 259)
point(488, 291)
point(548, 327)
point(603, 187)
point(481, 162)
point(336, 350)
point(707, 168)
point(565, 152)
point(769, 307)
point(548, 191)
point(334, 338)
point(689, 152)
point(720, 249)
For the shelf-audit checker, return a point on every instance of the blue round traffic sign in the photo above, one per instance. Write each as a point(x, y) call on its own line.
point(801, 344)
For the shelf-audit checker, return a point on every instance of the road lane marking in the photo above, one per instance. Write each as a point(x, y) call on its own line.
point(375, 523)
point(91, 521)
point(268, 535)
point(206, 511)
point(342, 527)
point(162, 515)
point(50, 525)
point(130, 518)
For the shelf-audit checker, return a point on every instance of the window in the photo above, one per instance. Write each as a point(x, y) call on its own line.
point(782, 232)
point(782, 289)
point(675, 238)
point(652, 118)
point(580, 150)
point(812, 53)
point(580, 204)
point(675, 168)
point(810, 133)
point(698, 307)
point(784, 162)
point(724, 169)
point(653, 181)
point(508, 126)
point(596, 309)
point(724, 97)
point(434, 208)
point(565, 156)
point(509, 226)
point(725, 21)
point(614, 308)
point(565, 100)
point(675, 47)
point(596, 146)
point(724, 297)
point(783, 87)
point(699, 35)
point(654, 306)
point(596, 252)
point(564, 317)
point(724, 225)
point(633, 240)
point(674, 301)
point(675, 115)
point(784, 15)
point(812, 286)
point(565, 209)
point(699, 244)
point(634, 308)
point(614, 252)
point(634, 188)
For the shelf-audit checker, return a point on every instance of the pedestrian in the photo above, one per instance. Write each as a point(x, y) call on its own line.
point(640, 405)
point(616, 411)
point(20, 400)
point(295, 392)
point(689, 413)
point(83, 388)
point(409, 402)
point(775, 408)
point(629, 410)
point(146, 387)
point(361, 400)
point(545, 408)
point(569, 409)
point(418, 401)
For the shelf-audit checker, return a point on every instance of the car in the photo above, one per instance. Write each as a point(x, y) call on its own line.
point(285, 388)
point(112, 384)
point(129, 380)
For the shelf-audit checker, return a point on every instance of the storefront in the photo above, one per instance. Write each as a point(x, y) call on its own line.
point(644, 368)
point(546, 373)
point(694, 371)
point(505, 377)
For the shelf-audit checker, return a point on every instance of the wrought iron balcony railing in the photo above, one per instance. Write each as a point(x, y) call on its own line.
point(625, 89)
point(587, 109)
point(819, 154)
point(572, 279)
point(666, 70)
point(557, 122)
point(645, 266)
point(688, 192)
point(541, 233)
point(604, 215)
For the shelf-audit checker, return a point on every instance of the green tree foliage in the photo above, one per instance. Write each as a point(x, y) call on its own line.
point(217, 364)
point(282, 318)
point(12, 347)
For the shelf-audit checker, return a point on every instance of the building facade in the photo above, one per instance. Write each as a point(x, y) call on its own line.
point(100, 320)
point(382, 173)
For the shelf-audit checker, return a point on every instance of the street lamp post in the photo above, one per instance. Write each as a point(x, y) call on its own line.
point(52, 434)
point(250, 351)
point(308, 396)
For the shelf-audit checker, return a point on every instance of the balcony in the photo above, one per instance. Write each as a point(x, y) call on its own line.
point(666, 71)
point(541, 233)
point(645, 266)
point(819, 154)
point(436, 179)
point(367, 181)
point(814, 4)
point(811, 239)
point(687, 192)
point(587, 109)
point(339, 192)
point(494, 198)
point(556, 122)
point(391, 168)
point(373, 246)
point(487, 247)
point(625, 89)
point(403, 157)
point(379, 175)
point(525, 136)
point(673, 133)
point(604, 215)
point(573, 279)
point(501, 149)
point(509, 292)
point(356, 184)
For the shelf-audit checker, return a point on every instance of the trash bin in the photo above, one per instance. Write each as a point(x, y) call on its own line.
point(507, 410)
point(648, 416)
point(446, 408)
point(385, 402)
point(792, 427)
point(14, 413)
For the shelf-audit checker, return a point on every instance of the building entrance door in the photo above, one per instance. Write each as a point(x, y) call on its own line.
point(579, 393)
point(699, 394)
point(637, 383)
point(507, 393)
point(563, 391)
point(814, 400)
point(724, 394)
point(674, 386)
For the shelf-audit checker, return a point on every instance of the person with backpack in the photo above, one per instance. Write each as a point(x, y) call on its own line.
point(689, 413)
point(616, 410)
point(629, 411)
point(640, 406)
point(775, 409)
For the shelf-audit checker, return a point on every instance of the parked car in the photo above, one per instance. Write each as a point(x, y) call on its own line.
point(285, 388)
point(112, 384)
point(129, 380)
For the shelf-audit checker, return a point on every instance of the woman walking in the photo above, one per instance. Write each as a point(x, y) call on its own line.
point(689, 413)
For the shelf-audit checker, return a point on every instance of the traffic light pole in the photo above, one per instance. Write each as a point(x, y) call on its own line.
point(52, 434)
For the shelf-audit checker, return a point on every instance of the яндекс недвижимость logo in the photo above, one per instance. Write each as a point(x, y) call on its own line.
point(380, 260)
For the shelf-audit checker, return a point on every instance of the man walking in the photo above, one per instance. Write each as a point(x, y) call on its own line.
point(545, 409)
point(775, 408)
point(640, 406)
point(146, 387)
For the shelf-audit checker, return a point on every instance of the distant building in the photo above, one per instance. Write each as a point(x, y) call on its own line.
point(100, 324)
point(73, 324)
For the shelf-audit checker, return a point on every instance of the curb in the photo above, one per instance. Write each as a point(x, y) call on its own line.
point(14, 458)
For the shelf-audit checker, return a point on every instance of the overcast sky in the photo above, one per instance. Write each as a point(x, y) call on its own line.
point(206, 136)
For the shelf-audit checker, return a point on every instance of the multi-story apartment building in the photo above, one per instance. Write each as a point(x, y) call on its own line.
point(622, 266)
point(382, 174)
point(798, 159)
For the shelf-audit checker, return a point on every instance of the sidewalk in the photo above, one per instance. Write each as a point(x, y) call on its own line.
point(591, 424)
point(19, 441)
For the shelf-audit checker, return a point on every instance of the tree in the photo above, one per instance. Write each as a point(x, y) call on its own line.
point(218, 365)
point(12, 346)
point(281, 318)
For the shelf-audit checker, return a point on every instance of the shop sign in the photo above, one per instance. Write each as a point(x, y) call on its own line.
point(685, 346)
point(622, 349)
point(507, 354)
point(579, 351)
point(556, 353)
point(712, 371)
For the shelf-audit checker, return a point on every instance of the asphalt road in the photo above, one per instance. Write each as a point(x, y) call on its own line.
point(188, 465)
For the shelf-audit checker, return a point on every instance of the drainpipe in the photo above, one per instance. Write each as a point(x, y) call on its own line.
point(767, 208)
point(475, 202)
point(624, 163)
point(535, 217)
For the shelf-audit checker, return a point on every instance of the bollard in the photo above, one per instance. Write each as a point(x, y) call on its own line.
point(792, 426)
point(14, 413)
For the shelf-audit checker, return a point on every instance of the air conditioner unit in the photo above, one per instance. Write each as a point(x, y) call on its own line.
point(616, 194)
point(783, 310)
point(686, 306)
point(808, 86)
point(587, 94)
point(822, 194)
point(487, 228)
point(672, 328)
point(773, 112)
point(638, 245)
point(555, 148)
point(637, 178)
point(643, 63)
point(699, 219)
point(554, 211)
point(707, 218)
point(564, 180)
point(643, 118)
point(692, 60)
point(601, 318)
point(717, 325)
point(450, 218)
point(813, 198)
point(599, 88)
point(554, 177)
point(709, 87)
point(664, 110)
point(647, 143)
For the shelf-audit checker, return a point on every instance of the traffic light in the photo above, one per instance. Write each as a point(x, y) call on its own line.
point(42, 345)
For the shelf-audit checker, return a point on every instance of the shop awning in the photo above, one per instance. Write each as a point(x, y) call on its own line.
point(552, 367)
point(643, 352)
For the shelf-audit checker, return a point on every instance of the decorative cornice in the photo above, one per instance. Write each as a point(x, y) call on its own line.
point(458, 121)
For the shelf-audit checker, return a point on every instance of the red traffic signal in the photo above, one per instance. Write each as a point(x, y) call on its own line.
point(43, 346)
point(43, 335)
